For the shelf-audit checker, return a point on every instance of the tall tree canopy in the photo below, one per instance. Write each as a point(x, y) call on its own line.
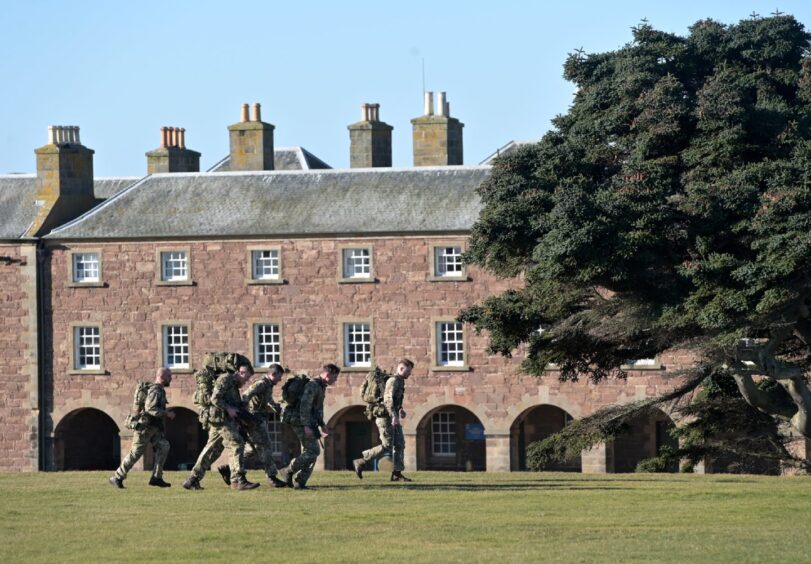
point(669, 208)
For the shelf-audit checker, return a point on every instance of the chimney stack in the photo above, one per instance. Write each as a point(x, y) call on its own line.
point(251, 142)
point(437, 136)
point(369, 139)
point(172, 155)
point(64, 186)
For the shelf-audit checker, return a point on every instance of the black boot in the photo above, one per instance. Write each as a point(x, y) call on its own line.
point(360, 466)
point(155, 481)
point(397, 476)
point(192, 483)
point(117, 482)
point(242, 483)
point(277, 483)
point(287, 476)
point(225, 472)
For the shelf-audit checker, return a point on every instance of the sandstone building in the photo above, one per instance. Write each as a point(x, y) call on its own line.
point(274, 254)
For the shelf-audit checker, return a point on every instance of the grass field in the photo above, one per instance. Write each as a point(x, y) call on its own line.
point(444, 517)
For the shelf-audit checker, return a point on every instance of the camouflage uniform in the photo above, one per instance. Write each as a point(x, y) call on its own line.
point(223, 431)
point(391, 436)
point(310, 413)
point(149, 430)
point(260, 404)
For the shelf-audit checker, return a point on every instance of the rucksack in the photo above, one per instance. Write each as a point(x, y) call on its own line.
point(133, 420)
point(293, 388)
point(371, 391)
point(215, 364)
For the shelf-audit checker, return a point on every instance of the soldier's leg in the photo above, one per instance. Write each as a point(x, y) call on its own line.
point(139, 441)
point(398, 449)
point(209, 454)
point(308, 457)
point(161, 446)
point(233, 441)
point(261, 440)
point(384, 448)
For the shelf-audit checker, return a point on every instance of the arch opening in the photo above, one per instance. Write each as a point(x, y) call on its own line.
point(535, 424)
point(451, 437)
point(350, 434)
point(645, 436)
point(87, 439)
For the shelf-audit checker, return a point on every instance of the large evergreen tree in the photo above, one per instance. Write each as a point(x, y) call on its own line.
point(669, 208)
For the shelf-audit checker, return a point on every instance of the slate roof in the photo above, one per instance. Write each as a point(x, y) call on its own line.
point(17, 208)
point(284, 158)
point(279, 203)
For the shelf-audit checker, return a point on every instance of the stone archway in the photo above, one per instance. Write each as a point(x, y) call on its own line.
point(535, 424)
point(87, 439)
point(451, 437)
point(350, 434)
point(186, 437)
point(645, 435)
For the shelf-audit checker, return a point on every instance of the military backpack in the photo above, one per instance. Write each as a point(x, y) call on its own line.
point(293, 389)
point(371, 392)
point(215, 364)
point(134, 419)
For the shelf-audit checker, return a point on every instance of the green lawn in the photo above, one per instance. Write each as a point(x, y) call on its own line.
point(445, 517)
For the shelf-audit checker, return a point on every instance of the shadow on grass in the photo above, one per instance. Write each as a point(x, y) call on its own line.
point(512, 486)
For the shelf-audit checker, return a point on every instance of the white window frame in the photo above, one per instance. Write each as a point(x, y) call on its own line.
point(80, 258)
point(443, 433)
point(275, 433)
point(266, 267)
point(167, 271)
point(356, 263)
point(260, 329)
point(172, 332)
point(351, 330)
point(87, 346)
point(448, 265)
point(450, 352)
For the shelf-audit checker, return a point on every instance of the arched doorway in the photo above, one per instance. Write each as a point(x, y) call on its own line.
point(451, 438)
point(86, 439)
point(283, 443)
point(186, 437)
point(643, 438)
point(350, 434)
point(535, 424)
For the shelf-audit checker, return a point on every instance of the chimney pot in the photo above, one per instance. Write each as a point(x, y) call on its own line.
point(364, 112)
point(182, 137)
point(163, 137)
point(442, 106)
point(257, 112)
point(428, 103)
point(51, 135)
point(244, 118)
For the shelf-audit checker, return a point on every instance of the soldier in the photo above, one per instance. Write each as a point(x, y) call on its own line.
point(391, 431)
point(149, 430)
point(306, 421)
point(223, 431)
point(260, 405)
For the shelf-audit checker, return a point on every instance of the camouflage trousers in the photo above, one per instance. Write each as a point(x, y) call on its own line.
point(392, 442)
point(260, 437)
point(302, 465)
point(221, 437)
point(140, 439)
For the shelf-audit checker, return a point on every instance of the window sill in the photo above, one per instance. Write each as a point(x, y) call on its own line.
point(265, 282)
point(369, 280)
point(87, 284)
point(181, 370)
point(174, 283)
point(656, 366)
point(464, 368)
point(462, 278)
point(356, 368)
point(89, 371)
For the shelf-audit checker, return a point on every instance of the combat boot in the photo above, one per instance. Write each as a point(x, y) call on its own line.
point(225, 472)
point(117, 482)
point(155, 481)
point(192, 483)
point(360, 466)
point(287, 476)
point(242, 483)
point(398, 477)
point(299, 486)
point(276, 482)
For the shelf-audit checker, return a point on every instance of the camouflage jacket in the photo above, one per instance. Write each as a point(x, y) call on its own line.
point(310, 412)
point(393, 395)
point(225, 394)
point(259, 398)
point(155, 406)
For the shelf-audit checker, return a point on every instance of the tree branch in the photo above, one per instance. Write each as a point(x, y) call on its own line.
point(760, 399)
point(799, 392)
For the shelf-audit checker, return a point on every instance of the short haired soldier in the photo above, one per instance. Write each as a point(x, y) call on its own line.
point(306, 421)
point(259, 403)
point(223, 431)
point(149, 430)
point(388, 423)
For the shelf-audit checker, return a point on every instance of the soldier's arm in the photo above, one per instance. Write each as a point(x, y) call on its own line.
point(218, 394)
point(306, 404)
point(153, 404)
point(388, 397)
point(251, 393)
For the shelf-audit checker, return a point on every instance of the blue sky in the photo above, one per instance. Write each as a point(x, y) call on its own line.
point(121, 70)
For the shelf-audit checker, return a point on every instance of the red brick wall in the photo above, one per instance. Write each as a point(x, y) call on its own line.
point(219, 306)
point(17, 420)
